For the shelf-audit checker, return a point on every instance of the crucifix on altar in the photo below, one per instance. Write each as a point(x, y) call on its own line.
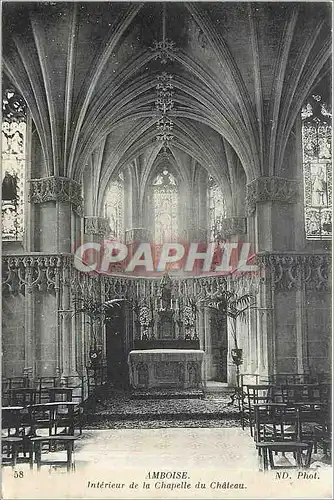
point(166, 322)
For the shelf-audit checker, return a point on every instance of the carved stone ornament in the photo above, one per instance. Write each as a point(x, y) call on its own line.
point(138, 234)
point(296, 271)
point(57, 189)
point(273, 188)
point(233, 225)
point(98, 226)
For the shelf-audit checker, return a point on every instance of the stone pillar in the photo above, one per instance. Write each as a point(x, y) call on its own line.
point(271, 203)
point(54, 198)
point(58, 208)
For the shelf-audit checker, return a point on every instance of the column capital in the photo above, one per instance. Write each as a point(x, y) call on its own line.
point(56, 188)
point(140, 234)
point(233, 225)
point(98, 226)
point(277, 189)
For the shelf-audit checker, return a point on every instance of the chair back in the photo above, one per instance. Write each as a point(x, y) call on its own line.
point(58, 394)
point(271, 421)
point(297, 393)
point(42, 416)
point(10, 422)
point(261, 393)
point(23, 396)
point(290, 378)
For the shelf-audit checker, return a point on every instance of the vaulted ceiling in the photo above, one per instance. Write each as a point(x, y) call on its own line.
point(241, 72)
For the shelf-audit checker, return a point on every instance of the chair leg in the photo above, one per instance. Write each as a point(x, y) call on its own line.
point(298, 458)
point(69, 450)
point(31, 455)
point(15, 450)
point(265, 459)
point(38, 454)
point(271, 459)
point(308, 456)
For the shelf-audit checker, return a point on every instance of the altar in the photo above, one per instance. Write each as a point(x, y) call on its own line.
point(166, 368)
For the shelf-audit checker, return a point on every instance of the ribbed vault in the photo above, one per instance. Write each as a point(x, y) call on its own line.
point(241, 72)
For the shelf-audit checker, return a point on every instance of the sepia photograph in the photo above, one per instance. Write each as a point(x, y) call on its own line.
point(166, 250)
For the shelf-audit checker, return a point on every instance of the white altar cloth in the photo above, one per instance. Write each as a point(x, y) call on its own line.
point(180, 368)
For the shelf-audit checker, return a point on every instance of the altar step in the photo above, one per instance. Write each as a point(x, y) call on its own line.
point(214, 387)
point(169, 393)
point(105, 416)
point(211, 387)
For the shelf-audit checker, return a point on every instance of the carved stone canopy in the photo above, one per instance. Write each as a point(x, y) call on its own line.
point(56, 189)
point(278, 189)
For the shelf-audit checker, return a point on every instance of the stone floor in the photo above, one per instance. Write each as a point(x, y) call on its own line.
point(125, 442)
point(117, 409)
point(215, 463)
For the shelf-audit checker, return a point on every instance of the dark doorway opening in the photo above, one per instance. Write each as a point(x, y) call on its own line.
point(117, 367)
point(219, 343)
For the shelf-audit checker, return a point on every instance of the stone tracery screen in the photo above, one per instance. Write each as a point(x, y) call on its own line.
point(317, 160)
point(165, 202)
point(114, 207)
point(217, 209)
point(13, 165)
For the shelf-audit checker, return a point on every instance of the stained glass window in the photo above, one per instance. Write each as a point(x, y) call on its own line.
point(217, 209)
point(317, 159)
point(114, 207)
point(13, 165)
point(165, 203)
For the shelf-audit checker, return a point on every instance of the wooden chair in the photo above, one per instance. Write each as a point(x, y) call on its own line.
point(290, 378)
point(43, 384)
point(313, 422)
point(57, 394)
point(277, 431)
point(254, 394)
point(23, 396)
point(273, 422)
point(297, 393)
point(268, 448)
point(13, 440)
point(50, 420)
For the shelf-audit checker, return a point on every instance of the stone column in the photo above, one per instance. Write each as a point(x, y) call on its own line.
point(54, 199)
point(271, 203)
point(58, 208)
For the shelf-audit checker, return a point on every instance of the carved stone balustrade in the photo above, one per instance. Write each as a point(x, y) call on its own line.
point(43, 272)
point(286, 271)
point(291, 271)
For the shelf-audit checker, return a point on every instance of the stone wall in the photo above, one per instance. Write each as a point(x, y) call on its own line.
point(13, 331)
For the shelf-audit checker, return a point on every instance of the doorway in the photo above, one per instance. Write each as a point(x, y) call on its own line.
point(117, 367)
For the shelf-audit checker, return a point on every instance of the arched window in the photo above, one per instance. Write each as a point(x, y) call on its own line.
point(317, 160)
point(165, 206)
point(114, 206)
point(13, 165)
point(217, 209)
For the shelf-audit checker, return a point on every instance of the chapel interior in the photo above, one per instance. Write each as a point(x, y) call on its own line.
point(165, 122)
